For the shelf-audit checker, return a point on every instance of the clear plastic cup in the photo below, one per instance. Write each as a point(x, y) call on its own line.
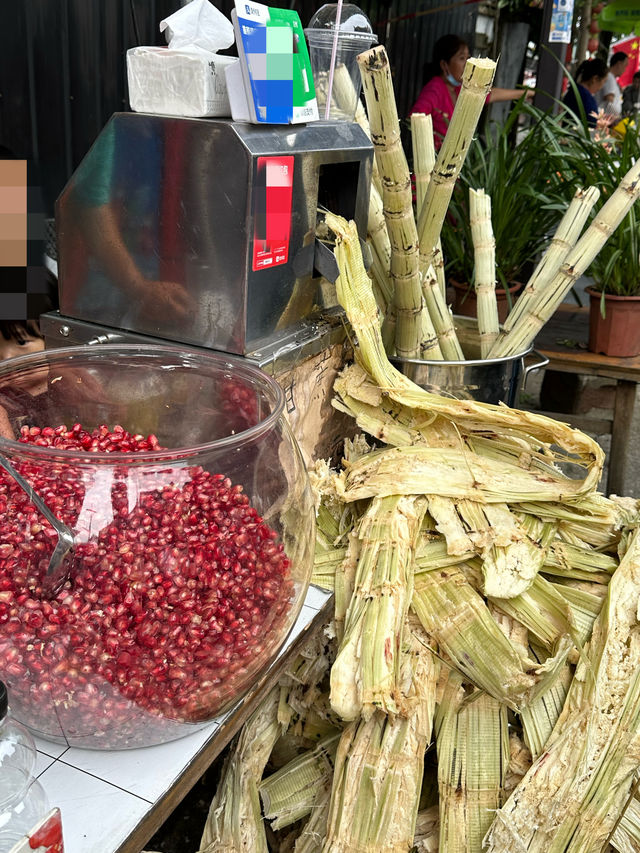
point(354, 37)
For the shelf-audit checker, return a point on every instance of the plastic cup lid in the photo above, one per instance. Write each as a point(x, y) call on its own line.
point(354, 24)
point(326, 36)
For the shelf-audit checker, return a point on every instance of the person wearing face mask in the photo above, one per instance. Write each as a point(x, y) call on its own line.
point(444, 76)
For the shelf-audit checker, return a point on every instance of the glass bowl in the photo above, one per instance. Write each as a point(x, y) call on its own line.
point(193, 530)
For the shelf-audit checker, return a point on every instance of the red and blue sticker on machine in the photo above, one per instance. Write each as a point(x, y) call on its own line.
point(272, 211)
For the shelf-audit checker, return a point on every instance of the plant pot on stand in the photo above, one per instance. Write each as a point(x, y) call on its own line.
point(466, 303)
point(618, 332)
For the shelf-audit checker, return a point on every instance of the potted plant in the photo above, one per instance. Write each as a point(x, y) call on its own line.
point(614, 320)
point(528, 200)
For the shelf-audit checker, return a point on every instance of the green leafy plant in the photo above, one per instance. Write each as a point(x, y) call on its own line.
point(603, 160)
point(529, 194)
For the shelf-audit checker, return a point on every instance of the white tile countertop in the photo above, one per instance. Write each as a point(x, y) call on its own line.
point(113, 801)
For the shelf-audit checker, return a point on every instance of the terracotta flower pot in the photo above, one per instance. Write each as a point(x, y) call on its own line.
point(618, 332)
point(465, 301)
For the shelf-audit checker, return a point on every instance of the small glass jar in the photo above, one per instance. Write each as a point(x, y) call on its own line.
point(191, 558)
point(23, 801)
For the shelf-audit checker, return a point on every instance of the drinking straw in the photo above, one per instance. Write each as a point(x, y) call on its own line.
point(334, 50)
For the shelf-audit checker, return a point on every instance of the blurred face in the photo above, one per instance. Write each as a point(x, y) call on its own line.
point(619, 67)
point(26, 345)
point(455, 66)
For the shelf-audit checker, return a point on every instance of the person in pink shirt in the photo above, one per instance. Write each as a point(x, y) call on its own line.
point(439, 96)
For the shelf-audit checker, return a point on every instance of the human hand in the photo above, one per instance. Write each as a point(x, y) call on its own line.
point(165, 301)
point(6, 430)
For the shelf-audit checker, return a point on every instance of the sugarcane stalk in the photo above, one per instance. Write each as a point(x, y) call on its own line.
point(355, 296)
point(543, 610)
point(585, 606)
point(365, 673)
point(539, 717)
point(576, 262)
point(450, 473)
point(234, 821)
point(456, 616)
point(379, 767)
point(396, 196)
point(381, 247)
point(345, 97)
point(571, 799)
point(476, 83)
point(626, 837)
point(441, 317)
point(291, 792)
point(433, 553)
point(473, 750)
point(424, 159)
point(311, 839)
point(449, 523)
point(344, 582)
point(424, 154)
point(564, 239)
point(566, 560)
point(484, 246)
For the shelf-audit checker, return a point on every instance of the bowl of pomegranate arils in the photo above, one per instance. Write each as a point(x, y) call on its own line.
point(193, 536)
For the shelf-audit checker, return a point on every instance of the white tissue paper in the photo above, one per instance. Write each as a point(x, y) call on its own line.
point(186, 78)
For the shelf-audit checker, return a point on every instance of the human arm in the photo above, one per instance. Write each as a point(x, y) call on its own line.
point(97, 217)
point(158, 300)
point(497, 94)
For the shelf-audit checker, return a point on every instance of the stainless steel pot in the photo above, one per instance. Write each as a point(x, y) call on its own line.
point(486, 380)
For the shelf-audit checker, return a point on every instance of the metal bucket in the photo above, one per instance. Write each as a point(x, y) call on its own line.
point(486, 380)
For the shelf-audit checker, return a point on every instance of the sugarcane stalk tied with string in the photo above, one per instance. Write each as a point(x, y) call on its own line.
point(422, 326)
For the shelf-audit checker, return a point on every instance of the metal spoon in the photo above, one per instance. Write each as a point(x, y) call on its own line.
point(56, 573)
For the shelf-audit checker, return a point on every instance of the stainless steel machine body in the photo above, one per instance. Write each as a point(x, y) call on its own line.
point(203, 230)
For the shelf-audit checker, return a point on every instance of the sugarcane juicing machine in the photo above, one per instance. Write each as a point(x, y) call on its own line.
point(203, 231)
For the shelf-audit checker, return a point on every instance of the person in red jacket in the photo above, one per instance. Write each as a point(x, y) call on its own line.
point(444, 76)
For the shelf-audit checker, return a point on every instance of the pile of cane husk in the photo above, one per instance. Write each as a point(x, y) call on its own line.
point(478, 685)
point(478, 688)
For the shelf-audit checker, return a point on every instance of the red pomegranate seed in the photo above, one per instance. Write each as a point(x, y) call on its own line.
point(171, 607)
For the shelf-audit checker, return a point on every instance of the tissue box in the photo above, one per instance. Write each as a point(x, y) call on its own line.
point(177, 82)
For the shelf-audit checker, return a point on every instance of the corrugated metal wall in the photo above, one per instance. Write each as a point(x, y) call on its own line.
point(63, 71)
point(409, 29)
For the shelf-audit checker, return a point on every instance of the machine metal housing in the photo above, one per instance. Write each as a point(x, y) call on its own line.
point(177, 229)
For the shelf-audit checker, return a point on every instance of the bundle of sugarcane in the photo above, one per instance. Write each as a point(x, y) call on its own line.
point(410, 289)
point(485, 691)
point(416, 269)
